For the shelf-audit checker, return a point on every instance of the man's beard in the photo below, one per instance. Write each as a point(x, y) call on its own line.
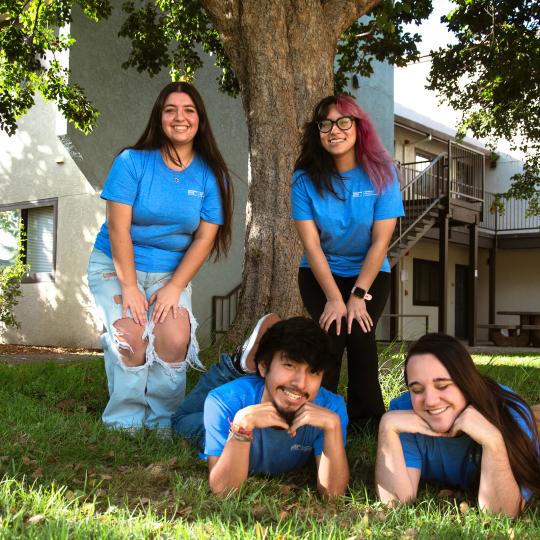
point(288, 416)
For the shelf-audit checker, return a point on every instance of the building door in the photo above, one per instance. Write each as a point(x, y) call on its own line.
point(462, 292)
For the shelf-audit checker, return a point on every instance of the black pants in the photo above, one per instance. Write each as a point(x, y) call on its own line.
point(365, 404)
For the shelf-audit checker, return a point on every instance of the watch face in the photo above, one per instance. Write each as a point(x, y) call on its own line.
point(359, 292)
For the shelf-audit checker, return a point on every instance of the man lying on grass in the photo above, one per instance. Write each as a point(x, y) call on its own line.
point(275, 419)
point(458, 428)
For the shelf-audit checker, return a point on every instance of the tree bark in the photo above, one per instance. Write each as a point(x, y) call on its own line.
point(282, 52)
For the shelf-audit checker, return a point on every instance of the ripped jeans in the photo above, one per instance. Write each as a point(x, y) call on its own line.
point(147, 394)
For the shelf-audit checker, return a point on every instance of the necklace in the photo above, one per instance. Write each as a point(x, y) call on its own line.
point(188, 163)
point(169, 161)
point(176, 174)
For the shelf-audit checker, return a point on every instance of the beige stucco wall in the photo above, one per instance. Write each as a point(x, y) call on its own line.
point(57, 312)
point(407, 142)
point(412, 328)
point(518, 282)
point(518, 286)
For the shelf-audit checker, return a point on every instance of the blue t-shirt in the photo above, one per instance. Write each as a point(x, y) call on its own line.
point(453, 461)
point(167, 206)
point(345, 223)
point(273, 451)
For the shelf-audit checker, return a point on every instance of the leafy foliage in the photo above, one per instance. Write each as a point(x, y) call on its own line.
point(165, 33)
point(10, 290)
point(380, 36)
point(492, 74)
point(30, 49)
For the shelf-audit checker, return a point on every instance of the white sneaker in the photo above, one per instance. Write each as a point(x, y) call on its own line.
point(246, 352)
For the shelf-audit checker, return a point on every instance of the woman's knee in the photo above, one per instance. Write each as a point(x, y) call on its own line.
point(172, 337)
point(129, 338)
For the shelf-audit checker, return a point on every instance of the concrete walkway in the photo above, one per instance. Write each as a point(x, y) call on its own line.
point(42, 358)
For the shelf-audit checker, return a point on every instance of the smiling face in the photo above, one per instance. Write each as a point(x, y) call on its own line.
point(289, 384)
point(434, 395)
point(179, 119)
point(340, 143)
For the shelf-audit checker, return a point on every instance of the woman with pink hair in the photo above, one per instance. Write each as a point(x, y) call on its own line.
point(345, 199)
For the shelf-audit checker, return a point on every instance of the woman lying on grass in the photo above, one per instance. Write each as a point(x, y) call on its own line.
point(458, 428)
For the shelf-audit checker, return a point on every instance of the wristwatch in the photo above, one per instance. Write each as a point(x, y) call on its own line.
point(361, 293)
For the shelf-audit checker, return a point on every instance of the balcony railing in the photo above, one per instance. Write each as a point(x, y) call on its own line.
point(465, 173)
point(513, 218)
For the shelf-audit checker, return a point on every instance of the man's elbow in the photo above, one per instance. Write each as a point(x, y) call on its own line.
point(221, 488)
point(390, 497)
point(511, 510)
point(332, 491)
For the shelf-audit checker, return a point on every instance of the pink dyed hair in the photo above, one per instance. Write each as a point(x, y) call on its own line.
point(370, 151)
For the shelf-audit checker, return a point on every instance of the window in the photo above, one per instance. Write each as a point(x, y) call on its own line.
point(425, 283)
point(422, 160)
point(37, 222)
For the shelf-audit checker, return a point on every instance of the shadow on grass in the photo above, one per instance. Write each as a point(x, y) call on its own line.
point(59, 463)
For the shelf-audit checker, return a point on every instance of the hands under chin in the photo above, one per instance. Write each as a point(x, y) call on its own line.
point(264, 415)
point(310, 414)
point(472, 423)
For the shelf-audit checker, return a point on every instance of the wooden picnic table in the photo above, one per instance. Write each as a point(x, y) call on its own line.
point(529, 321)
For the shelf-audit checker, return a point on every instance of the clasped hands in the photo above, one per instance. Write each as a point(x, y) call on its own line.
point(265, 415)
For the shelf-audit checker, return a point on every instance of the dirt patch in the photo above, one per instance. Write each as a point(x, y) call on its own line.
point(25, 350)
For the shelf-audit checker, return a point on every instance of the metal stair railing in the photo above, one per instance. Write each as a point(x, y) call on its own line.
point(224, 311)
point(421, 194)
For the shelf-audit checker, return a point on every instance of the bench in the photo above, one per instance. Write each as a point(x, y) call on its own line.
point(530, 327)
point(500, 326)
point(535, 333)
point(508, 335)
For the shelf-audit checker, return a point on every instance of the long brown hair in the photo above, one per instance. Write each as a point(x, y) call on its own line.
point(498, 405)
point(204, 144)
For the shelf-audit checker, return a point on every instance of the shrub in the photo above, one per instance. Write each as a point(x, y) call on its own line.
point(10, 290)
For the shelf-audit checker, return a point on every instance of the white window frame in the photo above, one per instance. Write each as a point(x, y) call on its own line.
point(36, 277)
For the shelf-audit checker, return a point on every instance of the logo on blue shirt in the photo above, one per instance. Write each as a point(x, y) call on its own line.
point(195, 193)
point(367, 193)
point(301, 448)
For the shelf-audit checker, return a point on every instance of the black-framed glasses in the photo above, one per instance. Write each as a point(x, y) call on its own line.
point(344, 123)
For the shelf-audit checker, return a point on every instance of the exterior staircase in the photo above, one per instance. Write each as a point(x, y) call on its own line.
point(424, 194)
point(452, 182)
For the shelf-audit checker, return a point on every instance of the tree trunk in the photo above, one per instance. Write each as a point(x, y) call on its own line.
point(283, 53)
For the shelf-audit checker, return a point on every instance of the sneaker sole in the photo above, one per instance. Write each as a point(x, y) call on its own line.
point(263, 324)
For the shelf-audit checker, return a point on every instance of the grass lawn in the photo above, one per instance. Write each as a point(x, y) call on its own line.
point(63, 475)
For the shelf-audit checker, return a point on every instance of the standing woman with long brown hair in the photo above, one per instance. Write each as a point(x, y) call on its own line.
point(169, 206)
point(345, 200)
point(457, 428)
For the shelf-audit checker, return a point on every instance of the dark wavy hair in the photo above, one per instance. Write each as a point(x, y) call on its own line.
point(300, 338)
point(205, 146)
point(370, 151)
point(497, 405)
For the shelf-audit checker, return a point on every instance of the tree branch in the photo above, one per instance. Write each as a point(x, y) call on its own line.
point(342, 13)
point(225, 15)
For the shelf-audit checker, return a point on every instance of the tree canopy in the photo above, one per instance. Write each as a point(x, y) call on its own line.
point(31, 48)
point(163, 34)
point(492, 75)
